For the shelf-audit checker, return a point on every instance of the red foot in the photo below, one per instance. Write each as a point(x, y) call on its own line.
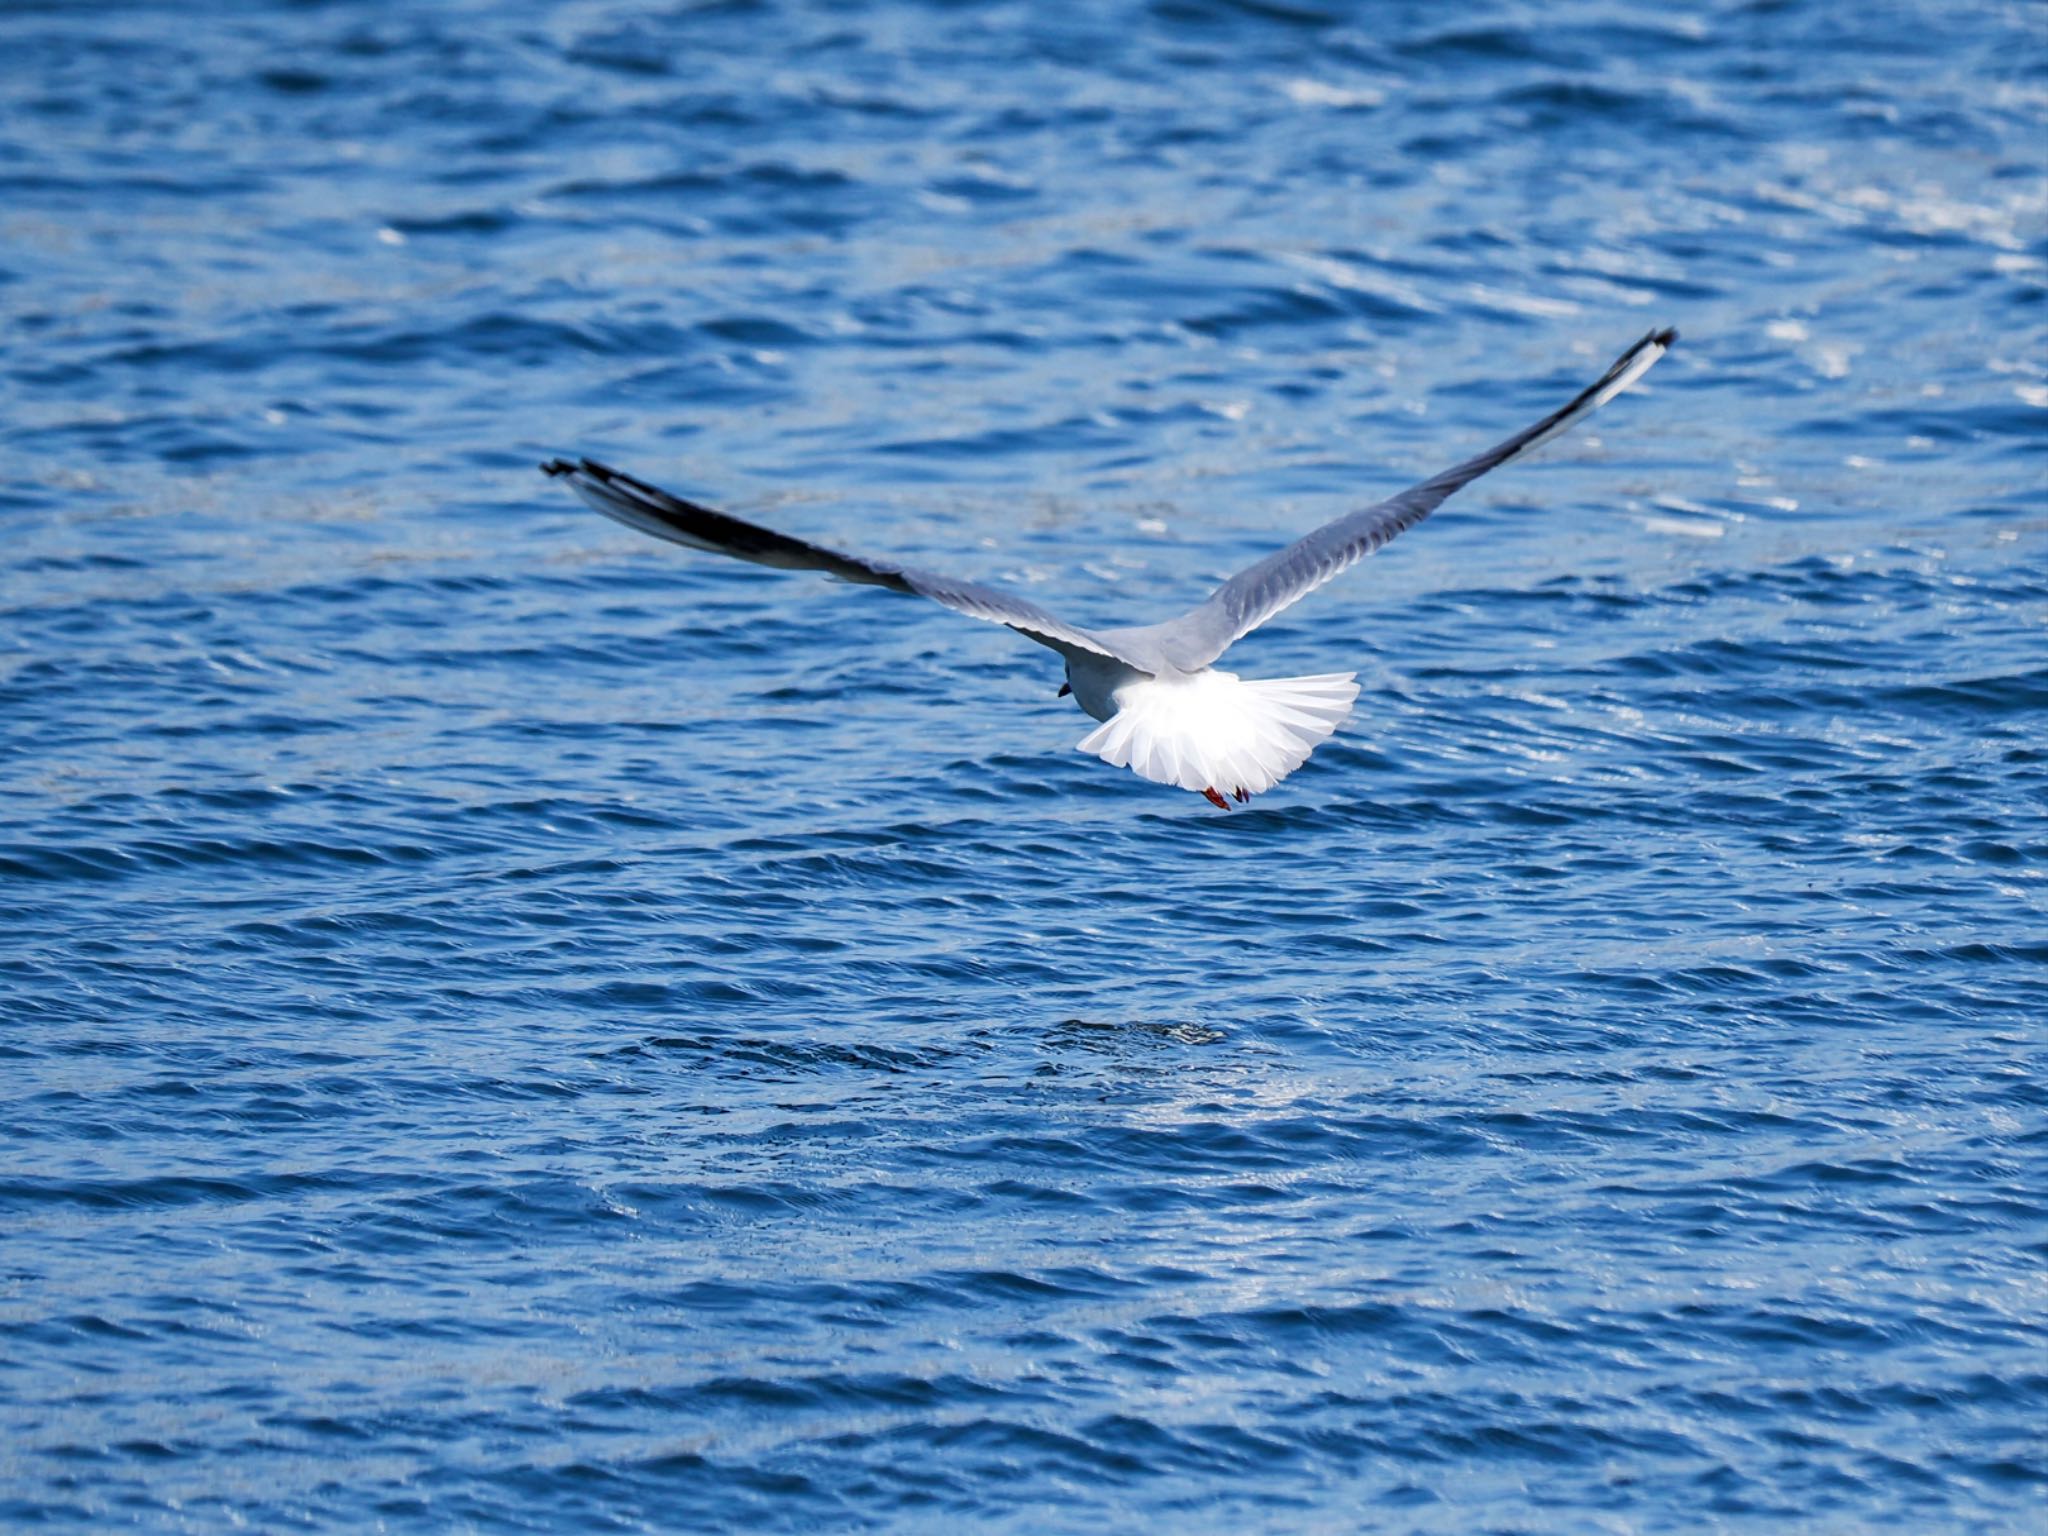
point(1216, 800)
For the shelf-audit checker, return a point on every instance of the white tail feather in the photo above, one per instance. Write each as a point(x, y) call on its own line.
point(1213, 730)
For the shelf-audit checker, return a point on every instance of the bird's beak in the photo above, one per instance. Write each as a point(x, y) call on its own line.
point(1065, 689)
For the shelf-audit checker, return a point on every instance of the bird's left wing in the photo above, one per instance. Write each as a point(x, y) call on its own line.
point(1255, 594)
point(653, 510)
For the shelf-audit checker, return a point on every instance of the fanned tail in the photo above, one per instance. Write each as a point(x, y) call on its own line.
point(1218, 734)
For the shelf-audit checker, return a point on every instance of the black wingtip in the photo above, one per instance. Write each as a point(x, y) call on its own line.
point(556, 468)
point(1665, 337)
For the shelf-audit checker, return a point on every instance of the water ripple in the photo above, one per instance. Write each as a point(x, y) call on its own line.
point(511, 1025)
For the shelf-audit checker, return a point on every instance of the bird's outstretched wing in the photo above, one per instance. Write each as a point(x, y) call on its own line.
point(1255, 594)
point(653, 510)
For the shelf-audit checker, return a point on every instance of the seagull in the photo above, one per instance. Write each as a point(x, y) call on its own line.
point(1167, 712)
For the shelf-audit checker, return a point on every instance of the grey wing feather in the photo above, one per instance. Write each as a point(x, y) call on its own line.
point(1255, 594)
point(653, 510)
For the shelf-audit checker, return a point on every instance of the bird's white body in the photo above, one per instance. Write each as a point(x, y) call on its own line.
point(1219, 734)
point(1210, 731)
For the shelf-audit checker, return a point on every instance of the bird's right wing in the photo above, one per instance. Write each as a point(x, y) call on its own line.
point(1255, 594)
point(653, 510)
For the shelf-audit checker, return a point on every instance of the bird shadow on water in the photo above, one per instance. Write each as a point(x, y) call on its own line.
point(1127, 1038)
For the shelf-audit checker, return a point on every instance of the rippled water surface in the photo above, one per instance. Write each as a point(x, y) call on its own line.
point(511, 1026)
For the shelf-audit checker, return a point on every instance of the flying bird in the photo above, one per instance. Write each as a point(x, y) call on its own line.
point(1167, 713)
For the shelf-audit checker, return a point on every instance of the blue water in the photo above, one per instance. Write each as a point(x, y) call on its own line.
point(511, 1026)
